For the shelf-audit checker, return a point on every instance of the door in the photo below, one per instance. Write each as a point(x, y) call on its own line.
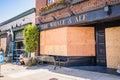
point(100, 45)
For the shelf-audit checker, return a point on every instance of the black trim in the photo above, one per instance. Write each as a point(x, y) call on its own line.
point(77, 60)
point(39, 44)
point(100, 44)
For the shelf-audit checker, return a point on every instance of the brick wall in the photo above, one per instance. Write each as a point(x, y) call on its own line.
point(113, 47)
point(77, 9)
point(39, 4)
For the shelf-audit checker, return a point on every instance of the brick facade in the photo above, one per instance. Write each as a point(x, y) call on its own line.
point(39, 4)
point(77, 9)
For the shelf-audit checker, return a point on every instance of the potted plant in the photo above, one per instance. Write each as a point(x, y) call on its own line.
point(30, 34)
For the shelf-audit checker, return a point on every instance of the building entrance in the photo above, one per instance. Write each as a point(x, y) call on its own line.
point(18, 49)
point(100, 45)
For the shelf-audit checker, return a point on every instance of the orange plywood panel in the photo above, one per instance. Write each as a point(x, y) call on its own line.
point(42, 38)
point(54, 41)
point(113, 46)
point(41, 49)
point(81, 41)
point(3, 43)
point(68, 41)
point(60, 50)
point(56, 36)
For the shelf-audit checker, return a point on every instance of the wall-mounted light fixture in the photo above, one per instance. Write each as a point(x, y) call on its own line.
point(27, 20)
point(68, 3)
point(54, 18)
point(71, 12)
point(107, 8)
point(40, 21)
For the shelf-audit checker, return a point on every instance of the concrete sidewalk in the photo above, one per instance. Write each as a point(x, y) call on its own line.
point(47, 73)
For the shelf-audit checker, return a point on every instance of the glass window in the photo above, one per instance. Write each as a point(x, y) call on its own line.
point(51, 1)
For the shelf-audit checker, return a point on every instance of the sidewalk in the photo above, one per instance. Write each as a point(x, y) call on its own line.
point(47, 73)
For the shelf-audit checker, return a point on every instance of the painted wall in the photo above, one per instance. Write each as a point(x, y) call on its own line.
point(3, 43)
point(20, 21)
point(113, 46)
point(68, 41)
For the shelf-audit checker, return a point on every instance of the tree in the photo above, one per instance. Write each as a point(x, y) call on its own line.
point(30, 34)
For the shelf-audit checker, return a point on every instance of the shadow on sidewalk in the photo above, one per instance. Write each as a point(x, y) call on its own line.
point(100, 69)
point(77, 71)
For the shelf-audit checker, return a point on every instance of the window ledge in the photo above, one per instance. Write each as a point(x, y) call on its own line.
point(77, 1)
point(62, 6)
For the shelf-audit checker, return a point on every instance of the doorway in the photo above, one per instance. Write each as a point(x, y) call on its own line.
point(100, 45)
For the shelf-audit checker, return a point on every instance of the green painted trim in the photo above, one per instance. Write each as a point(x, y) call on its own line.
point(18, 16)
point(3, 33)
point(19, 27)
point(19, 39)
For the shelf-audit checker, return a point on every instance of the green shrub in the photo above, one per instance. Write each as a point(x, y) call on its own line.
point(30, 34)
point(6, 59)
point(34, 62)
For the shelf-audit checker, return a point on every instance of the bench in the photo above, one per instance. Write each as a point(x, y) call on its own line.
point(62, 60)
point(55, 59)
point(47, 59)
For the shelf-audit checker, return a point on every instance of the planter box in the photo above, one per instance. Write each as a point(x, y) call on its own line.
point(77, 1)
point(53, 9)
point(26, 60)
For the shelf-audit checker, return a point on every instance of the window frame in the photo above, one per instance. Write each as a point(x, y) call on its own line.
point(49, 2)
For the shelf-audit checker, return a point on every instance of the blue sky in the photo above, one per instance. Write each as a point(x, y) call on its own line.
point(11, 8)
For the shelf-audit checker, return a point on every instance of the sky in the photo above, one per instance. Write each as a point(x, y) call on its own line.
point(12, 8)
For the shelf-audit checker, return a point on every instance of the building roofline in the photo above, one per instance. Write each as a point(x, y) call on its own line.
point(18, 16)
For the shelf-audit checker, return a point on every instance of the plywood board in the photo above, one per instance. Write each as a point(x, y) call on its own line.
point(113, 46)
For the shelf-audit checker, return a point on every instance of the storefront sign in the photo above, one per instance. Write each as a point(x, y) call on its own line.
point(86, 18)
point(64, 22)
